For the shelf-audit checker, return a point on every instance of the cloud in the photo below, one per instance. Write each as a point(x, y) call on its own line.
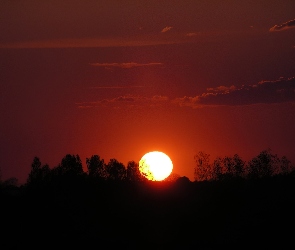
point(287, 25)
point(127, 65)
point(126, 101)
point(167, 28)
point(191, 34)
point(117, 87)
point(264, 92)
point(85, 105)
point(279, 91)
point(223, 89)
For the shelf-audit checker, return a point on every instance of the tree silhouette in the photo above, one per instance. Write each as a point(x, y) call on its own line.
point(96, 167)
point(265, 164)
point(286, 167)
point(218, 169)
point(115, 170)
point(10, 182)
point(202, 170)
point(132, 172)
point(238, 169)
point(38, 174)
point(228, 167)
point(70, 165)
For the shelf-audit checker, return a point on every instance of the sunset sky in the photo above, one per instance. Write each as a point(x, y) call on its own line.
point(122, 78)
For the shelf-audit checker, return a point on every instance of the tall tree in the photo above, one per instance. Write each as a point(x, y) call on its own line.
point(71, 165)
point(38, 174)
point(218, 169)
point(238, 166)
point(116, 170)
point(96, 166)
point(265, 164)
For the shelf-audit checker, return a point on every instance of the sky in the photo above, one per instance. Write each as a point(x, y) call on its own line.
point(122, 78)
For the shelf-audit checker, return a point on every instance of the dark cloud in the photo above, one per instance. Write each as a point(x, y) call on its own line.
point(279, 91)
point(287, 25)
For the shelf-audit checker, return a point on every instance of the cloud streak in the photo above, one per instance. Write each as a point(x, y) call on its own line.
point(126, 101)
point(264, 92)
point(279, 91)
point(191, 34)
point(117, 87)
point(127, 65)
point(287, 25)
point(167, 28)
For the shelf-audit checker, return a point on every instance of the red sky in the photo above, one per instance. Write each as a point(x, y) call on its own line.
point(122, 78)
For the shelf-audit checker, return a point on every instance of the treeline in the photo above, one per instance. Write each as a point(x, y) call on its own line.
point(265, 164)
point(71, 167)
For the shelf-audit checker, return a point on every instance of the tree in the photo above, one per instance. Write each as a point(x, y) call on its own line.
point(228, 167)
point(70, 165)
point(203, 169)
point(286, 166)
point(132, 172)
point(38, 174)
point(96, 166)
point(265, 164)
point(233, 167)
point(11, 182)
point(239, 166)
point(116, 170)
point(218, 169)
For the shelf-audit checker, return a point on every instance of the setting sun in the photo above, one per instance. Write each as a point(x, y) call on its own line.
point(155, 166)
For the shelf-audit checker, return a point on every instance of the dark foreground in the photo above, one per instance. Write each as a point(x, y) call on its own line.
point(182, 215)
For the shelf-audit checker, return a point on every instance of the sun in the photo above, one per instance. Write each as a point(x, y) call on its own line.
point(155, 166)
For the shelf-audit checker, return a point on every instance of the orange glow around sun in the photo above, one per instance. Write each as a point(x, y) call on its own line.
point(155, 166)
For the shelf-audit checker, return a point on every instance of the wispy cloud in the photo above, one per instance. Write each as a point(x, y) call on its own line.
point(279, 91)
point(127, 65)
point(144, 39)
point(264, 92)
point(191, 34)
point(287, 25)
point(167, 28)
point(222, 89)
point(126, 101)
point(117, 87)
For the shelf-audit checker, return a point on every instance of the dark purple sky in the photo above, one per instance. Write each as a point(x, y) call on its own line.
point(122, 78)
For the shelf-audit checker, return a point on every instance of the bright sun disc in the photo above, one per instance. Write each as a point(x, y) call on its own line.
point(155, 166)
